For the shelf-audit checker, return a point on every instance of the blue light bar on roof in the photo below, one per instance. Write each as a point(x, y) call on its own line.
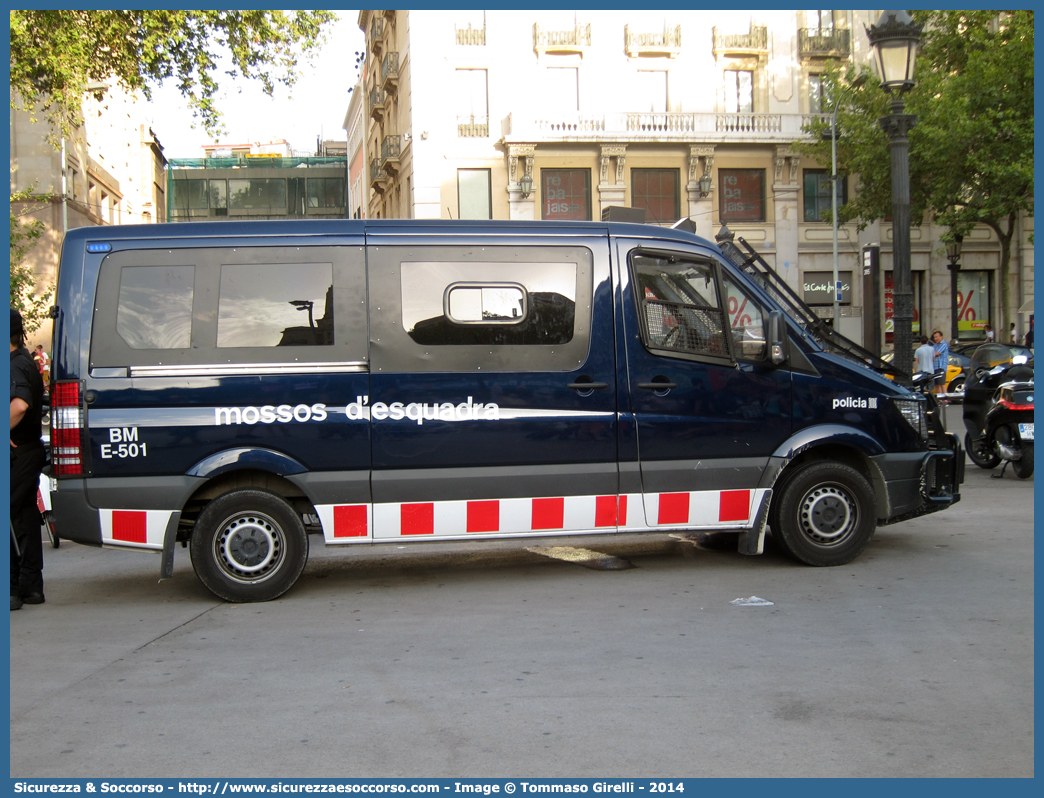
point(94, 247)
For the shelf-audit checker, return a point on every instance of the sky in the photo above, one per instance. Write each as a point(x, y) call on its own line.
point(316, 105)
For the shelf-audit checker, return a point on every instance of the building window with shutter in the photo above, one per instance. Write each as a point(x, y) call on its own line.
point(656, 190)
point(565, 194)
point(741, 193)
point(817, 194)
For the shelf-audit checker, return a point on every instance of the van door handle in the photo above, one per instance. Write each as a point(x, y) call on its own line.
point(658, 386)
point(587, 386)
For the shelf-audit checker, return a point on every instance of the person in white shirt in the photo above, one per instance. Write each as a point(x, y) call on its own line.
point(989, 333)
point(923, 357)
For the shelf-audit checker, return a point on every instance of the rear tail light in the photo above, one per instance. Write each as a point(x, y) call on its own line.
point(1012, 405)
point(66, 430)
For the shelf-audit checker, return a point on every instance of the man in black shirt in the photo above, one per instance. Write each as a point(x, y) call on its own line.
point(27, 460)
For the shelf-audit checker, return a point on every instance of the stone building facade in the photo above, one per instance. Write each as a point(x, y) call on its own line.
point(633, 108)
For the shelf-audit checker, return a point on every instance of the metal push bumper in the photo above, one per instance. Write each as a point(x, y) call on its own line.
point(917, 483)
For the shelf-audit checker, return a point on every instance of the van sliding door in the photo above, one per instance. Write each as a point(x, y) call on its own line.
point(493, 388)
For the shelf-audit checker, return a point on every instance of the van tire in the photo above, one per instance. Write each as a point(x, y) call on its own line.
point(248, 545)
point(825, 515)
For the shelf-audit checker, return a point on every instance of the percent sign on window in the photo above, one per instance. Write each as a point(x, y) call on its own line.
point(965, 312)
point(736, 314)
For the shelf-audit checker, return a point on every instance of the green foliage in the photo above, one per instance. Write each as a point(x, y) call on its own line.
point(971, 151)
point(24, 235)
point(57, 54)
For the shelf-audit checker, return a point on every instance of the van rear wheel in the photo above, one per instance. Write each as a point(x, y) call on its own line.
point(248, 545)
point(826, 514)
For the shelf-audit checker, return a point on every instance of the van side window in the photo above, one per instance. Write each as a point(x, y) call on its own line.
point(747, 323)
point(154, 310)
point(221, 308)
point(507, 303)
point(483, 306)
point(275, 304)
point(679, 305)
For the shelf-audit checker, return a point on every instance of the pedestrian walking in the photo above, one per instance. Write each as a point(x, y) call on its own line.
point(27, 461)
point(1012, 334)
point(989, 333)
point(942, 357)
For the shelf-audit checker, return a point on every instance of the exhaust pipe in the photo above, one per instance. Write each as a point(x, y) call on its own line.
point(1007, 452)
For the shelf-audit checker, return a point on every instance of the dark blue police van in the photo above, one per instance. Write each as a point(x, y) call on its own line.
point(239, 386)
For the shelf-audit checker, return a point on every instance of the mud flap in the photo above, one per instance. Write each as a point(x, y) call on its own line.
point(752, 541)
point(170, 535)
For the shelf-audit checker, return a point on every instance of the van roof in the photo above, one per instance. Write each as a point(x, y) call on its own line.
point(341, 227)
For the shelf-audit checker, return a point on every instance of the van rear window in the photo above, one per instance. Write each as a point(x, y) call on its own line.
point(220, 308)
point(155, 306)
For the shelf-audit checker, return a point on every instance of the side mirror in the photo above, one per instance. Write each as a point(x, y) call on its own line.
point(778, 339)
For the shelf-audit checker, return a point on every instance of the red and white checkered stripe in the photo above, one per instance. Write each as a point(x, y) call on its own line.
point(358, 523)
point(138, 529)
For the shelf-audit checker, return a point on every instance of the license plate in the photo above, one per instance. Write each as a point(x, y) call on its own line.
point(1026, 432)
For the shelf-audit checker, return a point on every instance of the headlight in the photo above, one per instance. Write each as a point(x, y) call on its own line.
point(913, 411)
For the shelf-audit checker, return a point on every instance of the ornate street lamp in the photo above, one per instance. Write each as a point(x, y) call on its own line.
point(895, 38)
point(953, 255)
point(525, 186)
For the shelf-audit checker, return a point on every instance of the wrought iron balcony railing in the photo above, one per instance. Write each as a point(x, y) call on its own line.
point(390, 70)
point(756, 40)
point(668, 42)
point(561, 41)
point(391, 148)
point(815, 41)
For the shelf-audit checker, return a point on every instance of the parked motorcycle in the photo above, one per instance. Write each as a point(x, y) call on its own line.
point(998, 410)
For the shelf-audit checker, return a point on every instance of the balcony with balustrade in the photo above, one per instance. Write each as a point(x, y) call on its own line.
point(472, 127)
point(471, 36)
point(390, 72)
point(667, 43)
point(391, 150)
point(378, 103)
point(754, 42)
point(816, 42)
point(376, 37)
point(378, 177)
point(708, 128)
point(574, 40)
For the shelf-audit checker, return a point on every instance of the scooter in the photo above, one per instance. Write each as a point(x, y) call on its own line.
point(998, 411)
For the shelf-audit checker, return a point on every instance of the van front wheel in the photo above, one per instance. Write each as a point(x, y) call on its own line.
point(248, 545)
point(825, 514)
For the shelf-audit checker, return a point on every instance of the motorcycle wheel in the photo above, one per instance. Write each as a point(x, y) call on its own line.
point(980, 454)
point(1023, 467)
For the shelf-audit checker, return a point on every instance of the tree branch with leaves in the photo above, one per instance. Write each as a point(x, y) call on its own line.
point(57, 55)
point(33, 306)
